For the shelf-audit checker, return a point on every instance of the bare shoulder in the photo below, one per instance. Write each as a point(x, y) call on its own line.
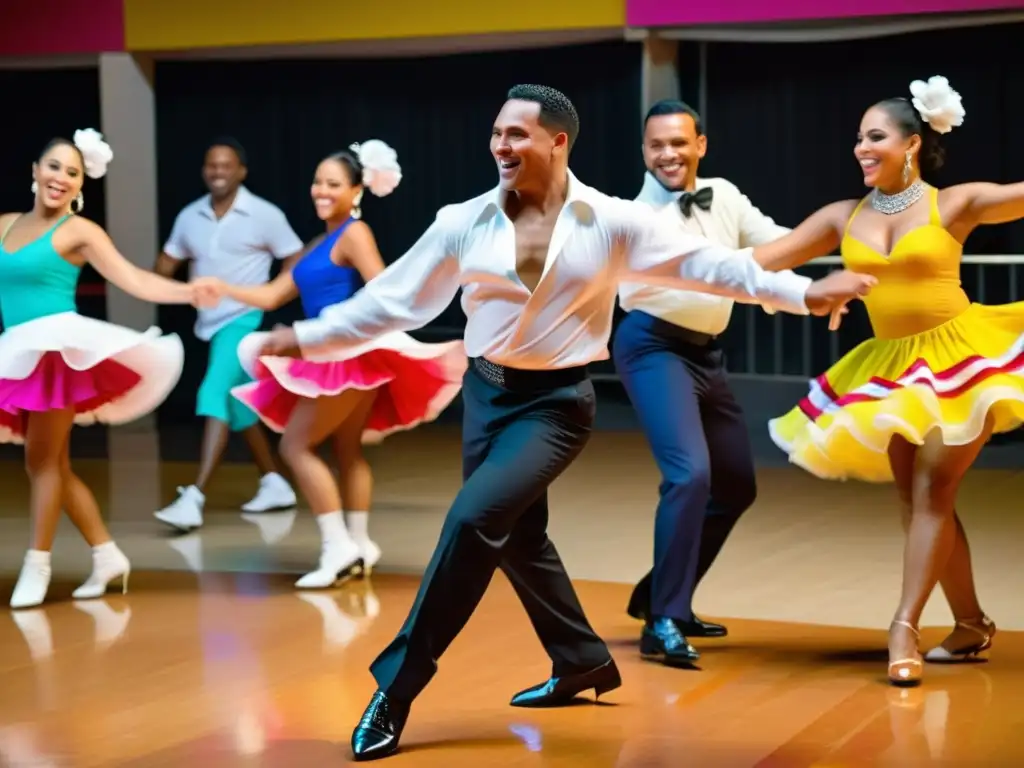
point(839, 212)
point(358, 232)
point(6, 219)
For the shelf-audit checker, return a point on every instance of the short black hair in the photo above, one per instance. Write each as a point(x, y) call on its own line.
point(234, 145)
point(556, 111)
point(907, 119)
point(674, 107)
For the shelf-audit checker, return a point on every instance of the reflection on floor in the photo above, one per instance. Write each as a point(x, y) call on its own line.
point(213, 659)
point(238, 670)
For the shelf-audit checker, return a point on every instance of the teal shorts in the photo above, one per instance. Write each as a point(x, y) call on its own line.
point(224, 372)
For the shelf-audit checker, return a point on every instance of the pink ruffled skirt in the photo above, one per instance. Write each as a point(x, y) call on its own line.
point(415, 382)
point(107, 373)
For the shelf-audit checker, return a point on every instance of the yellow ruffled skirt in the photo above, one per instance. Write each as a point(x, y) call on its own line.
point(951, 378)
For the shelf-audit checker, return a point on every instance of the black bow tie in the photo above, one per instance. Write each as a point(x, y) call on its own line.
point(702, 199)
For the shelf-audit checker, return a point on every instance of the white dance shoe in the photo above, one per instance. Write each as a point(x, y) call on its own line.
point(340, 560)
point(33, 581)
point(370, 555)
point(186, 512)
point(108, 564)
point(274, 494)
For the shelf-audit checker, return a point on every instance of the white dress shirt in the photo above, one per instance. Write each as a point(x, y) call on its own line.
point(598, 242)
point(732, 222)
point(238, 248)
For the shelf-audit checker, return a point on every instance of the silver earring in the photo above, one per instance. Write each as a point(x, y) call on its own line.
point(78, 203)
point(357, 212)
point(35, 187)
point(907, 167)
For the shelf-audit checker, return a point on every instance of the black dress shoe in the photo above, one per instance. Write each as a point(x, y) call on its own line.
point(559, 691)
point(662, 641)
point(699, 628)
point(696, 627)
point(379, 730)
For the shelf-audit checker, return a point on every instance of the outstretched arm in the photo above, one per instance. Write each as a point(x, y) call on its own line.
point(818, 235)
point(99, 250)
point(986, 203)
point(660, 253)
point(268, 296)
point(408, 294)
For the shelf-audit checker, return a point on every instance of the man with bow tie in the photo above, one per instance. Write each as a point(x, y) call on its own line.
point(673, 369)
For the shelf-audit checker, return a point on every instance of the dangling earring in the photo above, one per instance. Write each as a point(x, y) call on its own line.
point(35, 187)
point(357, 211)
point(78, 203)
point(907, 168)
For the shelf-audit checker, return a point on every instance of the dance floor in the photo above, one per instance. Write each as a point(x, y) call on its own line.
point(212, 659)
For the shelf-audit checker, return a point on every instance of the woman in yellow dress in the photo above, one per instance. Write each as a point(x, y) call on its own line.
point(915, 404)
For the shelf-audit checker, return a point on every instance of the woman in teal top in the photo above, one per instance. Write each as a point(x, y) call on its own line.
point(58, 368)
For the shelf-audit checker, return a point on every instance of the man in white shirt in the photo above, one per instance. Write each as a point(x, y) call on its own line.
point(539, 260)
point(234, 235)
point(667, 355)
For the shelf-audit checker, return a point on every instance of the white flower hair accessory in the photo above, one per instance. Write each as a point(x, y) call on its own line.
point(96, 153)
point(381, 171)
point(938, 104)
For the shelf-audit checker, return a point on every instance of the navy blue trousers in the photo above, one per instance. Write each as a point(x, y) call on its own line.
point(695, 428)
point(514, 445)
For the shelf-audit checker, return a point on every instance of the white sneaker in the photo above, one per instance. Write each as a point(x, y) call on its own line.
point(107, 565)
point(339, 561)
point(275, 493)
point(33, 581)
point(186, 512)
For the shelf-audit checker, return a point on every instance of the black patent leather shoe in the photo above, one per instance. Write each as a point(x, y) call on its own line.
point(380, 728)
point(560, 691)
point(639, 609)
point(697, 627)
point(662, 641)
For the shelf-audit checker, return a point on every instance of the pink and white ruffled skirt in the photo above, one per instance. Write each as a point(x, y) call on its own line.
point(109, 374)
point(415, 382)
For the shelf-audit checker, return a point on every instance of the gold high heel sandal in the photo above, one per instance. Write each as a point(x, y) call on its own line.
point(906, 672)
point(983, 627)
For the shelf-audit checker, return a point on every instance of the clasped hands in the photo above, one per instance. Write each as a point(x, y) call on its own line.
point(207, 292)
point(830, 295)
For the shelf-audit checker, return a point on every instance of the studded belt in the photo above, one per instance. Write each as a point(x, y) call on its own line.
point(519, 380)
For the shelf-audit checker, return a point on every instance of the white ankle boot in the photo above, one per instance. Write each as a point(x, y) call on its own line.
point(108, 563)
point(340, 559)
point(33, 581)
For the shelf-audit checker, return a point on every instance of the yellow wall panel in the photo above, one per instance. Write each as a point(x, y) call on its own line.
point(153, 25)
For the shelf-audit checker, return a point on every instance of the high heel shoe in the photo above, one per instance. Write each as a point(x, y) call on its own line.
point(907, 671)
point(370, 554)
point(33, 581)
point(108, 563)
point(983, 627)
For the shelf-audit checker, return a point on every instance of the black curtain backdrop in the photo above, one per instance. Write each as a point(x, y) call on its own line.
point(782, 120)
point(436, 112)
point(45, 104)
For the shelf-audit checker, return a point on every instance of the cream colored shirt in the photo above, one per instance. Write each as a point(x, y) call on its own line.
point(732, 222)
point(598, 242)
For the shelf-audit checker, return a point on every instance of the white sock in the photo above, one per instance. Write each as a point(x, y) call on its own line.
point(358, 523)
point(105, 550)
point(332, 527)
point(37, 557)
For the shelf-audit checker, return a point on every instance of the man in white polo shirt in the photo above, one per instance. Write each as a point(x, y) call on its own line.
point(234, 235)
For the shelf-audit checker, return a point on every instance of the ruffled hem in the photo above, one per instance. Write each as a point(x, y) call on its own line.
point(110, 374)
point(415, 382)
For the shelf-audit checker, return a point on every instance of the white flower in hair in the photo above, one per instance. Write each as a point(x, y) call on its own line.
point(95, 151)
point(381, 171)
point(938, 104)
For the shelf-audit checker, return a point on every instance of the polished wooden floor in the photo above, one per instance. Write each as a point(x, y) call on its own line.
point(213, 660)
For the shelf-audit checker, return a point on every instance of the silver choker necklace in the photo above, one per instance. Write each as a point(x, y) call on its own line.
point(892, 204)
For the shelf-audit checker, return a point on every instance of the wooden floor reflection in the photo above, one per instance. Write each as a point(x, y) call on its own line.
point(239, 670)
